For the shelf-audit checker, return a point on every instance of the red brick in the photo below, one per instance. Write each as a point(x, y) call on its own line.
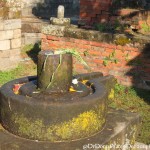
point(69, 44)
point(65, 39)
point(45, 46)
point(108, 50)
point(120, 54)
point(103, 18)
point(123, 12)
point(84, 47)
point(44, 40)
point(130, 48)
point(54, 38)
point(85, 42)
point(119, 47)
point(99, 61)
point(79, 66)
point(85, 3)
point(97, 44)
point(105, 54)
point(111, 46)
point(52, 45)
point(93, 52)
point(76, 41)
point(96, 5)
point(133, 55)
point(93, 65)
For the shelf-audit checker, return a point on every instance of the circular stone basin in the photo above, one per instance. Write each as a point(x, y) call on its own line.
point(30, 89)
point(54, 117)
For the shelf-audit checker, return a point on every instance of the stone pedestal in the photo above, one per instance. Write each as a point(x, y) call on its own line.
point(60, 21)
point(120, 130)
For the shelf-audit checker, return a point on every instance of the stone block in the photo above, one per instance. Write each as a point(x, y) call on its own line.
point(4, 64)
point(7, 64)
point(12, 24)
point(16, 43)
point(15, 59)
point(53, 30)
point(5, 54)
point(27, 12)
point(6, 35)
point(5, 45)
point(60, 21)
point(15, 52)
point(1, 25)
point(10, 53)
point(31, 38)
point(17, 33)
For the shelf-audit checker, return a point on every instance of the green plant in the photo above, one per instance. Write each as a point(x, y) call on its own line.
point(126, 57)
point(86, 53)
point(9, 75)
point(134, 100)
point(111, 58)
point(116, 24)
point(21, 71)
point(100, 27)
point(76, 54)
point(145, 27)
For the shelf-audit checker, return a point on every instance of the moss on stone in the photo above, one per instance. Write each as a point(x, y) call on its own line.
point(27, 127)
point(1, 128)
point(122, 41)
point(82, 126)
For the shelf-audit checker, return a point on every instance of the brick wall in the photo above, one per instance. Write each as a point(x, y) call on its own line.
point(100, 11)
point(132, 66)
point(10, 43)
point(91, 9)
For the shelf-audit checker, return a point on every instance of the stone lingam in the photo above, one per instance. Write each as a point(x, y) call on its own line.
point(49, 112)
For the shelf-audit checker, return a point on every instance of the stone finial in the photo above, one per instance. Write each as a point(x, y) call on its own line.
point(60, 11)
point(60, 20)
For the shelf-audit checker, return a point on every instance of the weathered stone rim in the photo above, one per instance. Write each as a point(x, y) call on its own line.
point(49, 113)
point(9, 88)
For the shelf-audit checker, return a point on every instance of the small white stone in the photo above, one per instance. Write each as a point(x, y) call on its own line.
point(74, 81)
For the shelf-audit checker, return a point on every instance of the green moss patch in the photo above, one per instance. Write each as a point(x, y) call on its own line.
point(82, 126)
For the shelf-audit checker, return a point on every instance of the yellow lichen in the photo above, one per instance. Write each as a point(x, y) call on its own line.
point(111, 94)
point(122, 41)
point(83, 125)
